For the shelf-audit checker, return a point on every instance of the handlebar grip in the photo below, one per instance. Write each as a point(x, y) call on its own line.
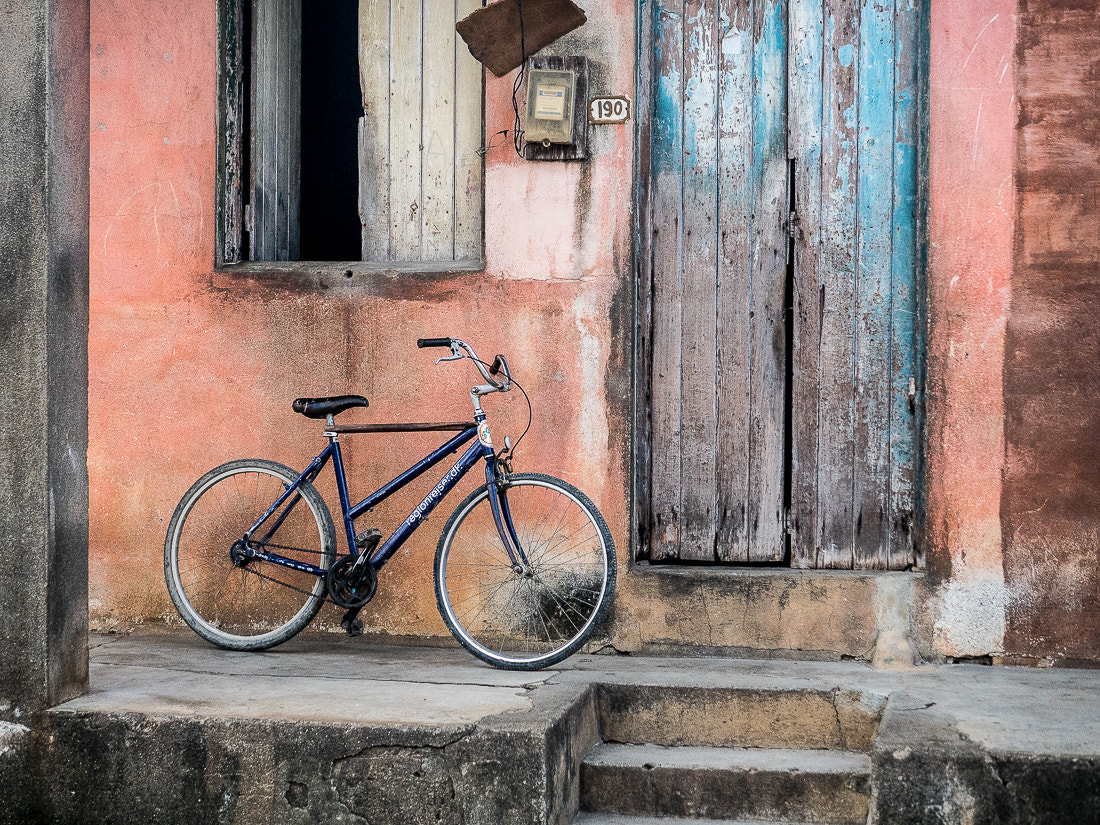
point(433, 342)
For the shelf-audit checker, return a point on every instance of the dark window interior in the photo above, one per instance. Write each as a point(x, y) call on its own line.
point(331, 108)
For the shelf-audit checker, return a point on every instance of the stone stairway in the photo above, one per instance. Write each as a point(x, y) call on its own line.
point(729, 756)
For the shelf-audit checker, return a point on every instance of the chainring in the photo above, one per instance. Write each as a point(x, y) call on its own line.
point(345, 593)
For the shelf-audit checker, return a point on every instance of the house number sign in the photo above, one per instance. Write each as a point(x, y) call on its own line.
point(612, 109)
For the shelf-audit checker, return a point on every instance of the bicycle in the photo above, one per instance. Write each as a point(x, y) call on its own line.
point(524, 568)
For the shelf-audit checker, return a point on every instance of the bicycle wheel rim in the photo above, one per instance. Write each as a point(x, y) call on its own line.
point(236, 606)
point(525, 622)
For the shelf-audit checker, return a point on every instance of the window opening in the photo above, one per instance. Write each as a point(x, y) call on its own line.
point(331, 107)
point(349, 132)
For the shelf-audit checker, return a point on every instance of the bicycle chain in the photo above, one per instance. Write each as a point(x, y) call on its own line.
point(247, 569)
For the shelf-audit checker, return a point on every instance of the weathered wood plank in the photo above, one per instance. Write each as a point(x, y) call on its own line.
point(262, 136)
point(666, 248)
point(837, 369)
point(406, 168)
point(276, 132)
point(437, 138)
point(805, 101)
point(374, 128)
point(769, 257)
point(904, 327)
point(874, 232)
point(734, 282)
point(469, 165)
point(421, 179)
point(495, 36)
point(643, 350)
point(232, 132)
point(290, 125)
point(698, 356)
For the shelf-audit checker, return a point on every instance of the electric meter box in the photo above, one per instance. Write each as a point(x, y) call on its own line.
point(550, 96)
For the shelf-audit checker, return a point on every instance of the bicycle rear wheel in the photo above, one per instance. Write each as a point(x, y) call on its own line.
point(236, 602)
point(525, 620)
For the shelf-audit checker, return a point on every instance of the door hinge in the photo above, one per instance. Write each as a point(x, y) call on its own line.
point(792, 224)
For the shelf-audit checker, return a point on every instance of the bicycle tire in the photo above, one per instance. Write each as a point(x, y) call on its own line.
point(525, 622)
point(224, 602)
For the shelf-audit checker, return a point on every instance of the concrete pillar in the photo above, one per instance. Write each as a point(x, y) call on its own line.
point(44, 117)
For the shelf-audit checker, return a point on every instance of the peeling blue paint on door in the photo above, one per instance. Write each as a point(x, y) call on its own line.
point(764, 426)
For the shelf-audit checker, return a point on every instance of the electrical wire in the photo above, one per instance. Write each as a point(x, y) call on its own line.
point(517, 132)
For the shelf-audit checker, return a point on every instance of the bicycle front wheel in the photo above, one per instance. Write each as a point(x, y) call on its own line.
point(525, 619)
point(229, 599)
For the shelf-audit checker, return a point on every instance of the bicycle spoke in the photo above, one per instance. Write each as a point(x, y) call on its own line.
point(254, 602)
point(549, 610)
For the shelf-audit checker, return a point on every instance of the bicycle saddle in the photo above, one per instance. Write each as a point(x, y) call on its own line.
point(320, 407)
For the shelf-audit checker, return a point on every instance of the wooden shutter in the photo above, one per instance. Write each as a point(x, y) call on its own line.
point(276, 129)
point(420, 175)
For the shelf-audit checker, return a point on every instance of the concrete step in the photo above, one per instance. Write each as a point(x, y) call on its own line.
point(773, 785)
point(747, 717)
point(585, 818)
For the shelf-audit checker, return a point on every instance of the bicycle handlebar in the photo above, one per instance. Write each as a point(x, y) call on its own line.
point(458, 348)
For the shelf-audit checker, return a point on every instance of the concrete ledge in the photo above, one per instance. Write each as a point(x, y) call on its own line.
point(323, 730)
point(928, 772)
point(132, 768)
point(758, 613)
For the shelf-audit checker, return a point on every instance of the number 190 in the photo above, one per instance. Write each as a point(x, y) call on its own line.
point(609, 109)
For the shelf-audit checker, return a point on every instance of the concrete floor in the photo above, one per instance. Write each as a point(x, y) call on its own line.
point(331, 729)
point(325, 678)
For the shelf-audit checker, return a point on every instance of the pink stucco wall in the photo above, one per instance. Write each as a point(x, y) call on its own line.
point(971, 188)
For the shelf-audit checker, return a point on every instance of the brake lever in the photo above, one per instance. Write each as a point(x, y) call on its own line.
point(458, 357)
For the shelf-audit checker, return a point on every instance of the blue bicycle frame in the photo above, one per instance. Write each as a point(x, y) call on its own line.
point(479, 450)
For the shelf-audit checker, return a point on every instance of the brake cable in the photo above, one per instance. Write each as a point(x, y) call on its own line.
point(530, 411)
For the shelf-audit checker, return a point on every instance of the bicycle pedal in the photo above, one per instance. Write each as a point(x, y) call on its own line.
point(368, 539)
point(353, 628)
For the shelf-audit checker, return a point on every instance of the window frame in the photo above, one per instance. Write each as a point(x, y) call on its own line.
point(232, 181)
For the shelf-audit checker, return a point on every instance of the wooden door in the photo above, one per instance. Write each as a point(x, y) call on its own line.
point(779, 326)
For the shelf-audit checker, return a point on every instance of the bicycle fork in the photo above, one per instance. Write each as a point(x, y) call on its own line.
point(496, 478)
